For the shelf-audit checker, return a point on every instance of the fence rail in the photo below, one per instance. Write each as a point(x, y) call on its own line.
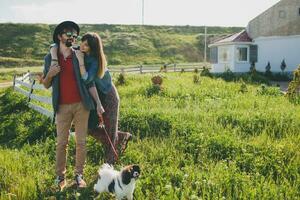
point(27, 81)
point(188, 67)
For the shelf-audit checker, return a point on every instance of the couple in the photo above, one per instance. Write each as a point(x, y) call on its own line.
point(82, 94)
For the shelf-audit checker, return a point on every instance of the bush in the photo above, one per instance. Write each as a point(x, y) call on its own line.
point(270, 91)
point(154, 90)
point(196, 79)
point(252, 70)
point(157, 80)
point(121, 79)
point(268, 72)
point(228, 75)
point(283, 65)
point(293, 90)
point(205, 72)
point(243, 87)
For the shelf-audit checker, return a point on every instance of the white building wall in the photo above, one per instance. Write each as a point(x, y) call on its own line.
point(222, 66)
point(277, 48)
point(232, 63)
point(240, 66)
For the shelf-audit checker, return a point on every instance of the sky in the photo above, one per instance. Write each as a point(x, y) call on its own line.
point(156, 12)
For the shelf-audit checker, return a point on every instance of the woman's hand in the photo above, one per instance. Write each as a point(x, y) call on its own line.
point(80, 57)
point(100, 111)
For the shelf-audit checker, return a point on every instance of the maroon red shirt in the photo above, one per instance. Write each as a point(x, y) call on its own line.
point(69, 92)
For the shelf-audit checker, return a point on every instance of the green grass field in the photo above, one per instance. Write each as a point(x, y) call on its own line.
point(207, 140)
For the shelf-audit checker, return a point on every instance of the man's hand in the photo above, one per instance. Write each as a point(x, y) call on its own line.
point(80, 57)
point(54, 70)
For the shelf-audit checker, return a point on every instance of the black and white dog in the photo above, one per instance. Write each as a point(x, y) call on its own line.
point(121, 183)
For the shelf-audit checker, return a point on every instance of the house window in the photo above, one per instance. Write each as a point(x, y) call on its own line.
point(242, 54)
point(223, 54)
point(299, 12)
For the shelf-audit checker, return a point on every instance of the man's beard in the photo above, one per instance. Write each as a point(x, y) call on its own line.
point(68, 42)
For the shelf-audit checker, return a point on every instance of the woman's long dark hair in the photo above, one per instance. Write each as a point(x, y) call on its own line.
point(96, 49)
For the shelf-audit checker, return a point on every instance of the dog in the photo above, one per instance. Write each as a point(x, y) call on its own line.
point(121, 183)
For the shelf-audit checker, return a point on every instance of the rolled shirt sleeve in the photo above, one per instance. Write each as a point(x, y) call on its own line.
point(91, 74)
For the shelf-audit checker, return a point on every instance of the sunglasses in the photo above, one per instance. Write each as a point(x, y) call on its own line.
point(71, 34)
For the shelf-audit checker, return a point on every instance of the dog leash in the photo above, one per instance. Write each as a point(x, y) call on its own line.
point(101, 125)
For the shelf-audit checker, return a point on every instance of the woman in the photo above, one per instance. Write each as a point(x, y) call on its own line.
point(92, 64)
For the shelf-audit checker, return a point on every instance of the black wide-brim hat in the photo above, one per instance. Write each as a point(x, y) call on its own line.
point(61, 26)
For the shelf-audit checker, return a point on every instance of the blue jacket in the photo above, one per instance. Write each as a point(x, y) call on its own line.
point(103, 84)
point(84, 93)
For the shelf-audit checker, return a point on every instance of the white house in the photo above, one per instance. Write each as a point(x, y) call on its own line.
point(273, 36)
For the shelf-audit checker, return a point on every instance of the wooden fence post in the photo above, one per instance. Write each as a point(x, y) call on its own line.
point(122, 70)
point(14, 82)
point(31, 90)
point(141, 69)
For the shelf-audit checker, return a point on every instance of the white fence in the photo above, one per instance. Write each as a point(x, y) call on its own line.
point(173, 67)
point(28, 81)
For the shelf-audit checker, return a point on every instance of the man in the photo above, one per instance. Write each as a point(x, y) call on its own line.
point(71, 100)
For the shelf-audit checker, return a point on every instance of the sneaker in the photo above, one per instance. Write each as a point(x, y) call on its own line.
point(61, 182)
point(79, 181)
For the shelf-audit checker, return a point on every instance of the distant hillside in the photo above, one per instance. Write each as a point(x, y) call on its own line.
point(123, 44)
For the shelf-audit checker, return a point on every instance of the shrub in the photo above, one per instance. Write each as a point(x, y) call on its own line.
point(196, 79)
point(157, 80)
point(121, 79)
point(283, 65)
point(243, 87)
point(252, 69)
point(294, 87)
point(153, 90)
point(205, 72)
point(268, 72)
point(228, 75)
point(270, 91)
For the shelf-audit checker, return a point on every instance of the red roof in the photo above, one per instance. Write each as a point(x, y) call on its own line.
point(237, 37)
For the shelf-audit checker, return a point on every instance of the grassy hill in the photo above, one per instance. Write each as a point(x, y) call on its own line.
point(123, 44)
point(206, 140)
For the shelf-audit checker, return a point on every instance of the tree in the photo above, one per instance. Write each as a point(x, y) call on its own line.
point(268, 70)
point(283, 65)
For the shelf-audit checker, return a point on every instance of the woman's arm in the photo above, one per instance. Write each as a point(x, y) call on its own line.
point(80, 57)
point(53, 52)
point(100, 109)
point(88, 77)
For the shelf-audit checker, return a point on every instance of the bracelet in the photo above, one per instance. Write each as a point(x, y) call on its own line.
point(54, 60)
